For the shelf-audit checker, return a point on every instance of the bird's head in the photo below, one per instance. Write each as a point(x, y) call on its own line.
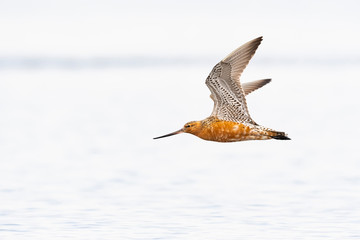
point(192, 127)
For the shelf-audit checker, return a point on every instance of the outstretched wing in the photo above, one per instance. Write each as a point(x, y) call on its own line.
point(224, 84)
point(252, 86)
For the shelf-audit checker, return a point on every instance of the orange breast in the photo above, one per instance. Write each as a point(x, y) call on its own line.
point(224, 131)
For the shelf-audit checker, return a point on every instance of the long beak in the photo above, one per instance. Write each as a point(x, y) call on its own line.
point(170, 134)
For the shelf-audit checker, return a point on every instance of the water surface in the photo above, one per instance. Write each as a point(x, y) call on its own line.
point(78, 160)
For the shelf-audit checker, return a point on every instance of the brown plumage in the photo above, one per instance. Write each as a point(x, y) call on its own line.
point(230, 120)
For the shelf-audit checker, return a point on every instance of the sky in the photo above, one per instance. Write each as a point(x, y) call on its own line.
point(200, 29)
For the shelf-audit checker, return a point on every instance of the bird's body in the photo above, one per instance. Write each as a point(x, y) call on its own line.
point(230, 120)
point(214, 129)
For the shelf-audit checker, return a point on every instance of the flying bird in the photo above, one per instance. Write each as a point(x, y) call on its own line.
point(230, 120)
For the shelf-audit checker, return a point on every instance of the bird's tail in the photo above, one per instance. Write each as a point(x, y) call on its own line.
point(278, 135)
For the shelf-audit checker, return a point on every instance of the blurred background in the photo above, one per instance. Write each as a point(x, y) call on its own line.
point(86, 85)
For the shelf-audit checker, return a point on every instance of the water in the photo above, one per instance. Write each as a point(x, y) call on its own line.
point(78, 160)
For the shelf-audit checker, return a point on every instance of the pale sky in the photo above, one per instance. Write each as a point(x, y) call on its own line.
point(75, 28)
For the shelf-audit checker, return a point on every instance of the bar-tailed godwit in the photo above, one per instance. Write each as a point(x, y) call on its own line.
point(230, 120)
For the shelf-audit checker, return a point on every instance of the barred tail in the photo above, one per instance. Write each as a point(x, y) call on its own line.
point(279, 135)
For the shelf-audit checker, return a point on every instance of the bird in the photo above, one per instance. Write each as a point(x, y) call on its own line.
point(230, 120)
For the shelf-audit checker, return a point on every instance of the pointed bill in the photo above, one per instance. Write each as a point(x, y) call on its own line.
point(170, 134)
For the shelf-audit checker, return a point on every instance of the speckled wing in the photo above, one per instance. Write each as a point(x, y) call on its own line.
point(224, 84)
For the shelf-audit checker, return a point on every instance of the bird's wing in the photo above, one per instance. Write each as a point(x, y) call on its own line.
point(252, 86)
point(224, 84)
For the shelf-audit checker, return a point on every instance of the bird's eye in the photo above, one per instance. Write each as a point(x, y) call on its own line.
point(187, 126)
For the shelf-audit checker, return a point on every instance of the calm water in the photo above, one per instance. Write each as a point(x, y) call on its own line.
point(78, 160)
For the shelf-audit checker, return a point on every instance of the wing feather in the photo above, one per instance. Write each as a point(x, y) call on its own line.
point(252, 86)
point(224, 84)
point(240, 57)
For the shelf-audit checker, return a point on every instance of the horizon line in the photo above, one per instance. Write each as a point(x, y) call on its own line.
point(40, 62)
